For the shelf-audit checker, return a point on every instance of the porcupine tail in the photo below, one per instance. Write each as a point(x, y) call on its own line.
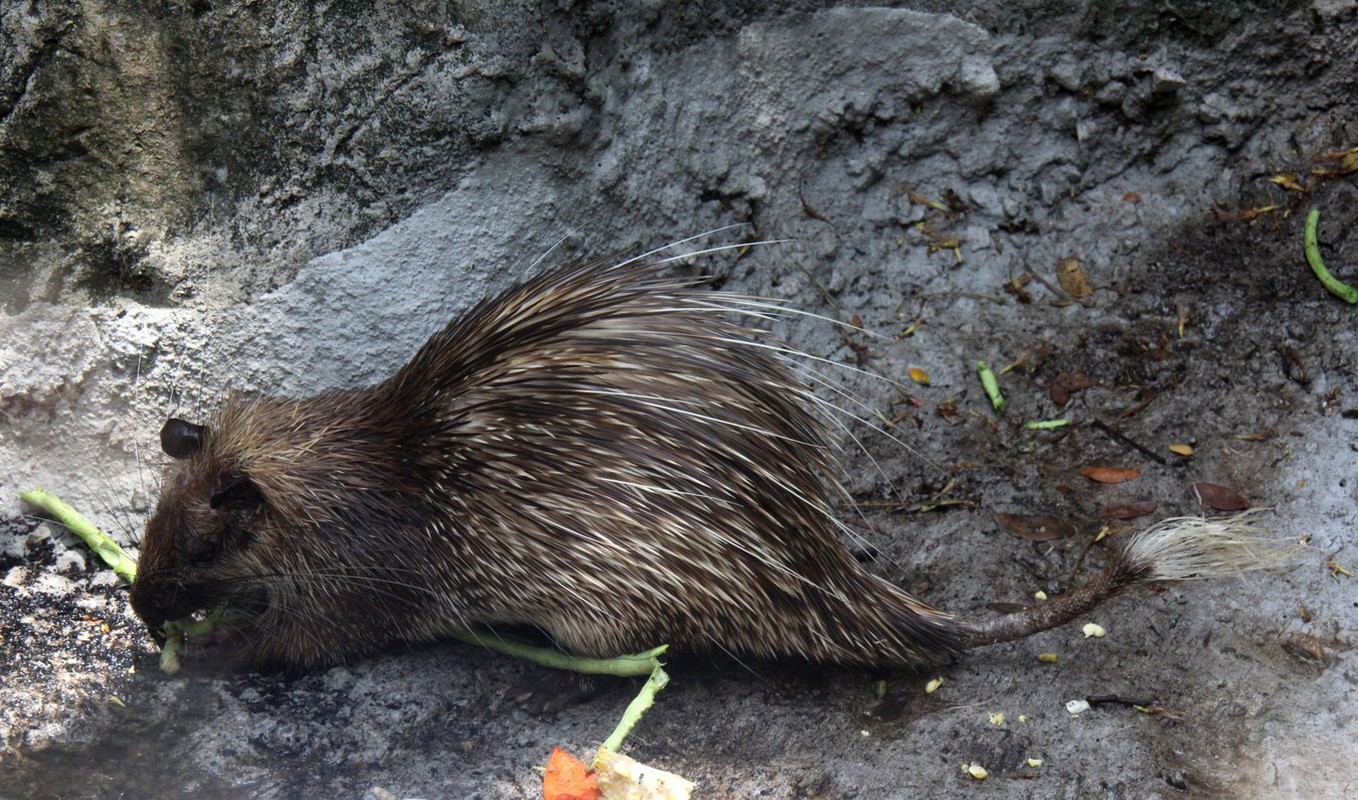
point(1182, 548)
point(877, 624)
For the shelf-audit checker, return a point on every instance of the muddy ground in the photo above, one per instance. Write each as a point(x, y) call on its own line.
point(290, 198)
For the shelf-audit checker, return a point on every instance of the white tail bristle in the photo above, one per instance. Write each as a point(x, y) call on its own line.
point(1187, 548)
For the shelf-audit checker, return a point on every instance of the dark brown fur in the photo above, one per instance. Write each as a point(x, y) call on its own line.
point(601, 454)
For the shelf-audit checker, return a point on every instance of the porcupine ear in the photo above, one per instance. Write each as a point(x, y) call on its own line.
point(181, 439)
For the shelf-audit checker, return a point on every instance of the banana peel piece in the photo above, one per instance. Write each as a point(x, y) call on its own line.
point(623, 778)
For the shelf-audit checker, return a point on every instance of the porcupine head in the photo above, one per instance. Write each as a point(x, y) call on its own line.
point(602, 454)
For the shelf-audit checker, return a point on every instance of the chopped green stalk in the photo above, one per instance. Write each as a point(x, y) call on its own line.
point(99, 542)
point(622, 666)
point(647, 663)
point(1046, 424)
point(172, 654)
point(177, 630)
point(991, 386)
point(639, 706)
point(1337, 287)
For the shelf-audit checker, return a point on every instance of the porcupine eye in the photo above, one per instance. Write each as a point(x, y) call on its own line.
point(180, 439)
point(237, 502)
point(236, 493)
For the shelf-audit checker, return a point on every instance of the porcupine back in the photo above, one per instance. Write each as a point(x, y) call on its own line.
point(626, 464)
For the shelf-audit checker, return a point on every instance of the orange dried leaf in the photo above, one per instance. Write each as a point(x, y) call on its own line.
point(1034, 527)
point(919, 376)
point(1109, 474)
point(1073, 279)
point(567, 778)
point(1131, 197)
point(1181, 449)
point(1219, 497)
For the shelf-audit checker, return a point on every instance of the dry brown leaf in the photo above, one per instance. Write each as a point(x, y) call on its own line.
point(925, 201)
point(1034, 527)
point(1219, 497)
point(1075, 381)
point(1066, 384)
point(1250, 214)
point(1109, 474)
point(1128, 510)
point(1348, 160)
point(1073, 279)
point(1308, 649)
point(1015, 287)
point(1288, 181)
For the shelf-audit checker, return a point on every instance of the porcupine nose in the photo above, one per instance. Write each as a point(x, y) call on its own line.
point(151, 601)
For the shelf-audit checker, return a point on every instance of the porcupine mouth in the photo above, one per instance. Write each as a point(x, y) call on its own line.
point(227, 620)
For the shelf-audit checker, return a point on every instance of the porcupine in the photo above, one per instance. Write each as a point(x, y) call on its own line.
point(603, 453)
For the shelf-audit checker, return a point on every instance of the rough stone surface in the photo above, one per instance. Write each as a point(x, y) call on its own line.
point(288, 197)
